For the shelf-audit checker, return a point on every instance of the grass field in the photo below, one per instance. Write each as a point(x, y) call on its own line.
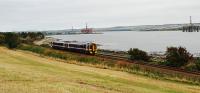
point(25, 72)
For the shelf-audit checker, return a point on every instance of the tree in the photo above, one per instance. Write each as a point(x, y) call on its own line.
point(23, 34)
point(12, 40)
point(40, 35)
point(2, 38)
point(137, 54)
point(30, 37)
point(177, 57)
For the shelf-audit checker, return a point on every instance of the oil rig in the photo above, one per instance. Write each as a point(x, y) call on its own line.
point(87, 30)
point(191, 27)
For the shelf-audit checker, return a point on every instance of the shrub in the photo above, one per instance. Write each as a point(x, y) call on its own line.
point(136, 54)
point(177, 57)
point(45, 45)
point(2, 38)
point(191, 67)
point(197, 63)
point(35, 49)
point(30, 37)
point(12, 40)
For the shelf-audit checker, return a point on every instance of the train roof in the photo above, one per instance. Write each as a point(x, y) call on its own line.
point(73, 42)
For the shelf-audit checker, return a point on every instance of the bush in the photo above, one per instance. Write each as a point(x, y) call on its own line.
point(191, 67)
point(12, 40)
point(35, 49)
point(177, 57)
point(137, 54)
point(197, 63)
point(30, 37)
point(45, 45)
point(2, 39)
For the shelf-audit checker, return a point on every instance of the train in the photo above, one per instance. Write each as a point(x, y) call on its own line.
point(75, 46)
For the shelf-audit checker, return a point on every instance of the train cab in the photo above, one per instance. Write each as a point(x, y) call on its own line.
point(92, 48)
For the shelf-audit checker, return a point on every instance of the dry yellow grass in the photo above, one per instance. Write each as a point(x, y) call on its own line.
point(25, 72)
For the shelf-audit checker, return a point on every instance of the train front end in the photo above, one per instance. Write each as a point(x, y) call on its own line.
point(92, 48)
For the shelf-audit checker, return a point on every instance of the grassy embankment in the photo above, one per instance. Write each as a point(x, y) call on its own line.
point(26, 72)
point(110, 64)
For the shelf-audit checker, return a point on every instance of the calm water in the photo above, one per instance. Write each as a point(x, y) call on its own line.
point(153, 41)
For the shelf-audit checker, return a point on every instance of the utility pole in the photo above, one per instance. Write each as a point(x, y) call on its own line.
point(190, 20)
point(86, 26)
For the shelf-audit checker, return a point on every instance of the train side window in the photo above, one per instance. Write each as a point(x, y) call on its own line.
point(82, 46)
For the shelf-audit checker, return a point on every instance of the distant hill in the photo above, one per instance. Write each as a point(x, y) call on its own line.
point(165, 27)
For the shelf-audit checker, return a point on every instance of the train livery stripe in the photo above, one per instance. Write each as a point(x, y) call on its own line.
point(90, 48)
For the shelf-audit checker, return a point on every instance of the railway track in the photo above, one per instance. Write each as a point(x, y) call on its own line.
point(126, 58)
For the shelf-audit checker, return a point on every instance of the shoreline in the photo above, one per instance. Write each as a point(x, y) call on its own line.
point(45, 41)
point(48, 39)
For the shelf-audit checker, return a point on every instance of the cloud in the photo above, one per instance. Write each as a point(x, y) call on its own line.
point(62, 14)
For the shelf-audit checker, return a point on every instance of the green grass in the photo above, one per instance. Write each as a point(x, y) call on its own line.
point(109, 64)
point(26, 72)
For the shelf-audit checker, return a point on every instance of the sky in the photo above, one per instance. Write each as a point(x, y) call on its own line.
point(21, 15)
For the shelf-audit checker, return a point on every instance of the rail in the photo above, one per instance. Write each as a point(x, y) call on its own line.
point(126, 58)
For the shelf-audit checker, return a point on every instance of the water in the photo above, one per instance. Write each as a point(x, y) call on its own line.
point(150, 41)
